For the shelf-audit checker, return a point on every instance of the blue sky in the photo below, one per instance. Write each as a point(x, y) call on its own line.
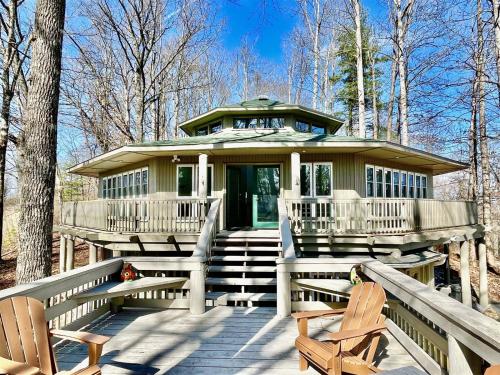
point(268, 22)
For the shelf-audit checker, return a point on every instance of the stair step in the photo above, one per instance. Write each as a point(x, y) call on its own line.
point(239, 281)
point(243, 248)
point(246, 239)
point(241, 269)
point(222, 298)
point(243, 258)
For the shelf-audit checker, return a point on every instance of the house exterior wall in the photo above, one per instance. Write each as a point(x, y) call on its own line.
point(348, 172)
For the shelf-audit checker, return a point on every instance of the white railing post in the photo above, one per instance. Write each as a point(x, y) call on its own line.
point(70, 253)
point(283, 289)
point(197, 290)
point(483, 275)
point(92, 253)
point(461, 360)
point(62, 253)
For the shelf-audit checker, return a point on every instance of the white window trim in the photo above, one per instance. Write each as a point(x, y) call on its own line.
point(376, 182)
point(194, 183)
point(398, 184)
point(330, 164)
point(390, 183)
point(369, 166)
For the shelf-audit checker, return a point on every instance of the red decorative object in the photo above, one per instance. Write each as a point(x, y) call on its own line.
point(128, 273)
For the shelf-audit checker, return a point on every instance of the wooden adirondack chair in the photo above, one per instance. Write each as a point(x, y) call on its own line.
point(351, 350)
point(25, 346)
point(493, 370)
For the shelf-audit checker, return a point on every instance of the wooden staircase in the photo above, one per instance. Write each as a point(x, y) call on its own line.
point(242, 268)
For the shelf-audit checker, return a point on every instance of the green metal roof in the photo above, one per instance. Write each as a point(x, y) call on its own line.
point(251, 136)
point(262, 102)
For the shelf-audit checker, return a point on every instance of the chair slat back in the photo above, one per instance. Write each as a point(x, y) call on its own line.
point(364, 309)
point(24, 334)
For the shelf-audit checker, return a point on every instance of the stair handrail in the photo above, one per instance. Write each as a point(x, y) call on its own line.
point(287, 246)
point(208, 232)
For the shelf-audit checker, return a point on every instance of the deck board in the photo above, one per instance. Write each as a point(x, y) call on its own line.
point(226, 340)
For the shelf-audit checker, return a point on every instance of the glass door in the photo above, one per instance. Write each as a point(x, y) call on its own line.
point(266, 191)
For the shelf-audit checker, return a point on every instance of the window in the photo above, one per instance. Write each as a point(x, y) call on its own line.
point(272, 122)
point(201, 131)
point(137, 183)
point(323, 179)
point(318, 129)
point(301, 126)
point(119, 187)
point(379, 180)
point(125, 186)
point(388, 183)
point(187, 180)
point(418, 186)
point(404, 185)
point(424, 187)
point(411, 185)
point(370, 183)
point(113, 188)
point(144, 182)
point(244, 123)
point(104, 190)
point(216, 127)
point(131, 185)
point(395, 184)
point(305, 180)
point(318, 184)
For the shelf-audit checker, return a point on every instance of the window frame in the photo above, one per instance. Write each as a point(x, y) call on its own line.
point(330, 164)
point(372, 167)
point(311, 178)
point(385, 183)
point(194, 183)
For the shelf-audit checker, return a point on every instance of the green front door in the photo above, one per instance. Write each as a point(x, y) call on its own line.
point(265, 195)
point(252, 196)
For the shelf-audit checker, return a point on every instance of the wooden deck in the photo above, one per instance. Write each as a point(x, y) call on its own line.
point(225, 340)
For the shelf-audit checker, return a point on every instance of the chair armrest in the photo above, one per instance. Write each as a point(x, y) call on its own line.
point(79, 336)
point(318, 313)
point(8, 366)
point(92, 370)
point(353, 333)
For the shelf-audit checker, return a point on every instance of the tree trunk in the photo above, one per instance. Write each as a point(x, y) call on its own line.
point(316, 64)
point(139, 105)
point(37, 146)
point(472, 191)
point(7, 95)
point(483, 133)
point(495, 4)
point(374, 97)
point(390, 104)
point(403, 86)
point(359, 72)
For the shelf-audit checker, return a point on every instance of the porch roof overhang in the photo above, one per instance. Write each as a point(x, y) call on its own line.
point(261, 142)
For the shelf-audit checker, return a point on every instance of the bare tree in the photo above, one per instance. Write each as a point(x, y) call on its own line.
point(495, 5)
point(374, 89)
point(359, 65)
point(37, 144)
point(392, 90)
point(403, 17)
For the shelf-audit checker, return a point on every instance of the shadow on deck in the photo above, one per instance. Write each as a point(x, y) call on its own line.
point(224, 340)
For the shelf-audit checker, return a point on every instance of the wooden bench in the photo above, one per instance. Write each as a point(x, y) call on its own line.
point(116, 291)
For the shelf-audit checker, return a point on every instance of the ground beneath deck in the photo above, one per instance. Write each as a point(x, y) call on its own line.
point(225, 340)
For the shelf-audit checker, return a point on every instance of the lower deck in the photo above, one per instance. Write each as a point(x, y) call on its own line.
point(224, 340)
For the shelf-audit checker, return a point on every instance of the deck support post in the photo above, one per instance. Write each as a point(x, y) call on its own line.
point(447, 275)
point(462, 361)
point(465, 274)
point(92, 253)
point(284, 292)
point(70, 253)
point(62, 253)
point(295, 169)
point(202, 176)
point(483, 275)
point(197, 290)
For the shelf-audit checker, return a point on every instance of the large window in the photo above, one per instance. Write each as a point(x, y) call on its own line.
point(316, 179)
point(187, 180)
point(130, 184)
point(318, 129)
point(388, 183)
point(261, 123)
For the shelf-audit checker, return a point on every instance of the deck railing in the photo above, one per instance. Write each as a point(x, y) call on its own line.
point(377, 215)
point(442, 334)
point(134, 215)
